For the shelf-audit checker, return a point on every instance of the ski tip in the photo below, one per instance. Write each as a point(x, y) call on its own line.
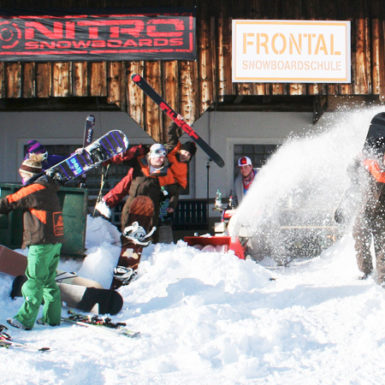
point(135, 77)
point(220, 163)
point(217, 160)
point(44, 349)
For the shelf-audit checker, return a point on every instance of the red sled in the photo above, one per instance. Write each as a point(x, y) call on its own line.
point(225, 241)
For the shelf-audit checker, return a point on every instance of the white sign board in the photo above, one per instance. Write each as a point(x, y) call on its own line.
point(288, 51)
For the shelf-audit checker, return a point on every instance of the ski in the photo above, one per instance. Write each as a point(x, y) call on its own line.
point(7, 342)
point(87, 140)
point(96, 321)
point(149, 91)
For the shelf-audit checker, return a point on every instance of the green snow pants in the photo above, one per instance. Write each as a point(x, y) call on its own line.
point(41, 285)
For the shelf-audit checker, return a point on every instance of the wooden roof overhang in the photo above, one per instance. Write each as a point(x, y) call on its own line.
point(191, 87)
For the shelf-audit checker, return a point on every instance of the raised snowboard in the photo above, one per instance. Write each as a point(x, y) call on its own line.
point(90, 299)
point(112, 143)
point(135, 236)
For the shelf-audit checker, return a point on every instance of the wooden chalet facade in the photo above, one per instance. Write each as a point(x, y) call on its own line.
point(191, 87)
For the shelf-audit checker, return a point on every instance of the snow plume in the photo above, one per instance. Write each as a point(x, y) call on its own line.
point(290, 205)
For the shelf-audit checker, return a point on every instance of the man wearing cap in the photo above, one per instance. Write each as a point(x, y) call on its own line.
point(244, 179)
point(43, 232)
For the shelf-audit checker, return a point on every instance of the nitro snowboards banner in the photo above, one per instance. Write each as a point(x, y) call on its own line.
point(116, 35)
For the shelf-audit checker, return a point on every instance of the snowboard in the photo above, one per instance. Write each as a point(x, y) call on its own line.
point(141, 210)
point(14, 263)
point(91, 299)
point(149, 91)
point(112, 143)
point(86, 298)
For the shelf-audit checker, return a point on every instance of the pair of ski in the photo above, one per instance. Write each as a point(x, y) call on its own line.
point(6, 341)
point(99, 322)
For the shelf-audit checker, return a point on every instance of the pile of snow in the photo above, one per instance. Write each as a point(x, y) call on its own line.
point(210, 318)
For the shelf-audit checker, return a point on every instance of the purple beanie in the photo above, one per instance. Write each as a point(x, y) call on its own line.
point(33, 146)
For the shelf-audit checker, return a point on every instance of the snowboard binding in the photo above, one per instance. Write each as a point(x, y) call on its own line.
point(124, 274)
point(137, 234)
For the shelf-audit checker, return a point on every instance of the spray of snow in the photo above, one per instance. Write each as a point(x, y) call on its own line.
point(302, 183)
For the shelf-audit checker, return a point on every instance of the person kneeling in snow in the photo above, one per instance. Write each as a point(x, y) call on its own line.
point(43, 233)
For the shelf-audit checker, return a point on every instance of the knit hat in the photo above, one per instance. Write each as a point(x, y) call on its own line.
point(32, 165)
point(33, 146)
point(190, 147)
point(157, 150)
point(244, 161)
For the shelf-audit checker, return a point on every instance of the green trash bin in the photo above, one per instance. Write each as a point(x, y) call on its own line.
point(75, 205)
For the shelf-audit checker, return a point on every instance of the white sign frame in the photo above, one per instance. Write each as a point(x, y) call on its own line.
point(291, 51)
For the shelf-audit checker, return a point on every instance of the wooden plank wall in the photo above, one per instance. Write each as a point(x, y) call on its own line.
point(192, 86)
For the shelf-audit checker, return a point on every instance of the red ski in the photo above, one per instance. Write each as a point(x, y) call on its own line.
point(149, 91)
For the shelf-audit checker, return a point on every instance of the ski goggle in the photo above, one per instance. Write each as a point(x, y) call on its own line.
point(158, 152)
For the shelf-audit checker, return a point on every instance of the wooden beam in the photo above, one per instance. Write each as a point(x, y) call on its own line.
point(80, 78)
point(43, 80)
point(13, 76)
point(135, 96)
point(61, 79)
point(98, 80)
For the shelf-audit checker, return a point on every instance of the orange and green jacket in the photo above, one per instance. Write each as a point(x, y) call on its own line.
point(42, 213)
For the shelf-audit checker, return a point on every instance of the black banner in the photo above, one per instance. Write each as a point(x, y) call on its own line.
point(95, 37)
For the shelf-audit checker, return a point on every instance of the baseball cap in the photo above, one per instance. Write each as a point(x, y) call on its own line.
point(244, 161)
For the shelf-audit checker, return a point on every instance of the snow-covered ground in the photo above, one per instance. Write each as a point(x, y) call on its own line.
point(211, 318)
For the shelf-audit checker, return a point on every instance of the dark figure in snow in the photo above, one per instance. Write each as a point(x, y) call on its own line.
point(244, 179)
point(49, 160)
point(370, 221)
point(43, 232)
point(366, 196)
